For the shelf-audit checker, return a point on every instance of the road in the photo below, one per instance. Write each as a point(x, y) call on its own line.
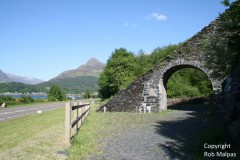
point(16, 112)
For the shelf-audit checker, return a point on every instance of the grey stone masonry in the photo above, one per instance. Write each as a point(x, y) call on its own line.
point(150, 88)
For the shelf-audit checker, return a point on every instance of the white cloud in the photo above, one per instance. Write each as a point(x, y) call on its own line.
point(157, 16)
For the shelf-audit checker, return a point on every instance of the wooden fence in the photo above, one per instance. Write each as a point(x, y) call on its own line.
point(75, 114)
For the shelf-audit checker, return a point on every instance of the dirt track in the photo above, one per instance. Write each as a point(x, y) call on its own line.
point(171, 136)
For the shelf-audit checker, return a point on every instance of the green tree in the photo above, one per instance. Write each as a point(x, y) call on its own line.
point(120, 70)
point(143, 63)
point(189, 82)
point(87, 94)
point(26, 99)
point(222, 47)
point(55, 94)
point(159, 54)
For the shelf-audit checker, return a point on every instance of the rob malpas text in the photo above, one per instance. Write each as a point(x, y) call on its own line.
point(219, 150)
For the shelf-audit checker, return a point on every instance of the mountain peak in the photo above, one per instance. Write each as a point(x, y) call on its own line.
point(92, 68)
point(93, 61)
point(92, 64)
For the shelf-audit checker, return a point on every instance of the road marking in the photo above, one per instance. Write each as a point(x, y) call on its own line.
point(8, 117)
point(4, 113)
point(28, 109)
point(20, 112)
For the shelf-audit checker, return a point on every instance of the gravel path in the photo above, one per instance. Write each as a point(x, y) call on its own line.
point(171, 136)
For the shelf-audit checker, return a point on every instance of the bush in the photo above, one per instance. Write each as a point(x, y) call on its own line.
point(26, 99)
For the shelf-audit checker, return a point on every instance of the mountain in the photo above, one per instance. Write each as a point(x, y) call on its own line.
point(77, 80)
point(26, 80)
point(4, 78)
point(93, 67)
point(7, 78)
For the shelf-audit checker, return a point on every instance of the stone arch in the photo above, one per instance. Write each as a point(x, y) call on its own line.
point(178, 64)
point(154, 92)
point(150, 89)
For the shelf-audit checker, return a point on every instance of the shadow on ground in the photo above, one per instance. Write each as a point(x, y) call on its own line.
point(183, 130)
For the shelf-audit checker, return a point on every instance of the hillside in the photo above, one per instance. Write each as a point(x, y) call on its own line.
point(77, 80)
point(93, 67)
point(13, 87)
point(26, 80)
point(7, 78)
point(4, 78)
point(68, 85)
point(73, 84)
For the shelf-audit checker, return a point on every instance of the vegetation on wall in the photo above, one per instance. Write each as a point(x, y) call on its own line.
point(222, 46)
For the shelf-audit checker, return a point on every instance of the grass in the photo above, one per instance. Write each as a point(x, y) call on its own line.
point(101, 126)
point(41, 136)
point(33, 137)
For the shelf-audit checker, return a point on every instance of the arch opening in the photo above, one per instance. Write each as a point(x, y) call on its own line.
point(186, 81)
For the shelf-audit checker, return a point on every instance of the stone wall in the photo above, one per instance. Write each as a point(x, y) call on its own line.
point(232, 106)
point(150, 88)
point(129, 99)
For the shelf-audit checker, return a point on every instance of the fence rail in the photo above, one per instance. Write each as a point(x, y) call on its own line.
point(75, 114)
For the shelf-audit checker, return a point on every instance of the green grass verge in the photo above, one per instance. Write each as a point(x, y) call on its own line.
point(100, 126)
point(33, 137)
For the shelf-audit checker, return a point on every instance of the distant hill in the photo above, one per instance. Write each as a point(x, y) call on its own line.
point(68, 85)
point(25, 80)
point(7, 78)
point(92, 68)
point(13, 87)
point(72, 81)
point(73, 84)
point(4, 78)
point(78, 80)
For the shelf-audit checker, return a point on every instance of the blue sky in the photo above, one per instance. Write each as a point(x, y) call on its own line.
point(42, 38)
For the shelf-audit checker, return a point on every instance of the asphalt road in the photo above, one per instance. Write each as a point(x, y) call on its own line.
point(16, 112)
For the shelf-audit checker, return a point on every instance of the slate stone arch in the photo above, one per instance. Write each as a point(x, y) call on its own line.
point(150, 89)
point(154, 91)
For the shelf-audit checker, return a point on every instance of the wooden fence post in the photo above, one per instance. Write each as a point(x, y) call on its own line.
point(76, 116)
point(79, 118)
point(68, 123)
point(83, 111)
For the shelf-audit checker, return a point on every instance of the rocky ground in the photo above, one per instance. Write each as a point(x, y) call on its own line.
point(171, 136)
